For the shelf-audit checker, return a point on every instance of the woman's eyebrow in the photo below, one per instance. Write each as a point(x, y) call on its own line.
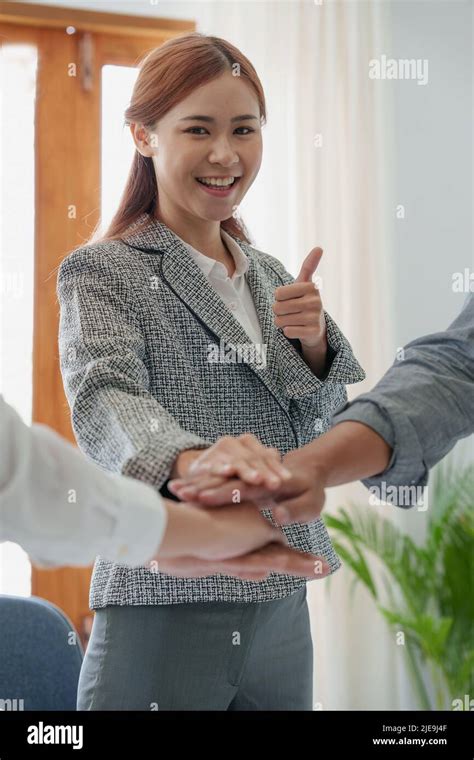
point(211, 119)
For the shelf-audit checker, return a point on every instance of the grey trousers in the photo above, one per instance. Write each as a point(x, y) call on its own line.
point(201, 656)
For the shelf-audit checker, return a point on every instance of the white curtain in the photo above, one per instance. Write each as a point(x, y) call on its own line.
point(327, 179)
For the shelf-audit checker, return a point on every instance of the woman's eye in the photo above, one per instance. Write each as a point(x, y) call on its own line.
point(191, 130)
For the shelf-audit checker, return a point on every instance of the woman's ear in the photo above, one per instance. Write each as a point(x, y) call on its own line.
point(145, 142)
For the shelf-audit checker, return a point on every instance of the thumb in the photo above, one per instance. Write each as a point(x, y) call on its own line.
point(309, 265)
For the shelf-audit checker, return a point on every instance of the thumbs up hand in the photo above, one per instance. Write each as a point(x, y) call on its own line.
point(298, 307)
point(309, 265)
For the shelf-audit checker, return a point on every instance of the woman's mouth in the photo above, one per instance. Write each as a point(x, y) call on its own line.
point(218, 190)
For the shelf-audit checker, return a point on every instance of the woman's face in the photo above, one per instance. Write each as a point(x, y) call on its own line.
point(226, 143)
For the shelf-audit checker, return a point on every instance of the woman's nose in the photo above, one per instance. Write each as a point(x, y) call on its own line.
point(223, 153)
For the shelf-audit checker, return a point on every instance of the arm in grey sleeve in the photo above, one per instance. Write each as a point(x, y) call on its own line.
point(63, 510)
point(424, 403)
point(117, 421)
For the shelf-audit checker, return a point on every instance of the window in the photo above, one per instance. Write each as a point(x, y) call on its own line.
point(17, 110)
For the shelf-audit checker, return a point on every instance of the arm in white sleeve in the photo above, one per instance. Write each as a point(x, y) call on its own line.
point(64, 510)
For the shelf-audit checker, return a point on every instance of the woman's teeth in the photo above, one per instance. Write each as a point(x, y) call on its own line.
point(224, 182)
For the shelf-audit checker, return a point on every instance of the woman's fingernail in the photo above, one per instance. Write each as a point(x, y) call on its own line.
point(286, 473)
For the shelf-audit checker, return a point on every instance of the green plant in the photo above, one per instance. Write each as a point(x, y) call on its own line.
point(428, 589)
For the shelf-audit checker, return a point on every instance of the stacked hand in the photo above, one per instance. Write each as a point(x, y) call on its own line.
point(298, 497)
point(236, 471)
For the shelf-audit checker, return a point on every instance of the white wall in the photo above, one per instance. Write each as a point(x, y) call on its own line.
point(434, 130)
point(434, 164)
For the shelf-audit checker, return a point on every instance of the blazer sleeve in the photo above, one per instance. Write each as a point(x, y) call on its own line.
point(116, 420)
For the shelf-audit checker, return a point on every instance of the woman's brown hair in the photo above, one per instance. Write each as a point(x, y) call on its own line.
point(167, 75)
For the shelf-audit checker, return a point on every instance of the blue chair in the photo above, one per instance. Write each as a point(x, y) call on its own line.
point(40, 656)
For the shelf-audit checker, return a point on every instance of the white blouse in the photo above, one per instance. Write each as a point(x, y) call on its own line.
point(234, 291)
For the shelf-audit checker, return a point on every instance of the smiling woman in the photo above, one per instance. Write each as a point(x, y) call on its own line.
point(140, 308)
point(175, 150)
point(223, 157)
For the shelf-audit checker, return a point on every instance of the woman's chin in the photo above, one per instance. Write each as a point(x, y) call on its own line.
point(214, 217)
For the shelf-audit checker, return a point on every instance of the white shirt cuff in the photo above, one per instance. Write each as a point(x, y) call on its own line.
point(141, 524)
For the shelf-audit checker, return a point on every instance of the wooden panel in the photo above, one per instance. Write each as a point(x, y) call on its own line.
point(50, 16)
point(11, 33)
point(125, 51)
point(67, 192)
point(67, 152)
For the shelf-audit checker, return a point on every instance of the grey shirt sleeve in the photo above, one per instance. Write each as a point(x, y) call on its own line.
point(424, 404)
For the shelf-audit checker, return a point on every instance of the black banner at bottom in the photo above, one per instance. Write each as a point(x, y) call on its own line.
point(379, 734)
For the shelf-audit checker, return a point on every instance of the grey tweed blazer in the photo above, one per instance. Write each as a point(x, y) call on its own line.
point(137, 319)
